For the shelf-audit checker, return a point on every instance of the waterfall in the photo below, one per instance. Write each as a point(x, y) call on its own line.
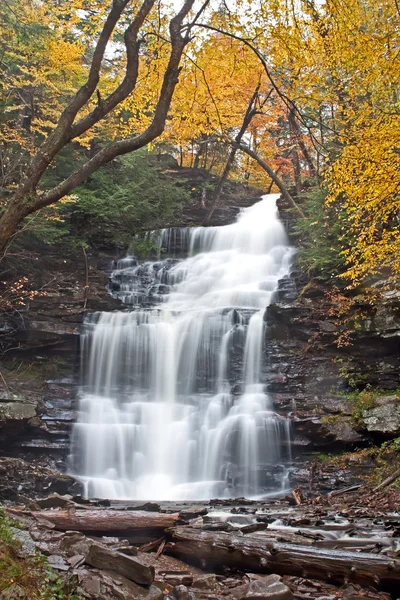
point(172, 404)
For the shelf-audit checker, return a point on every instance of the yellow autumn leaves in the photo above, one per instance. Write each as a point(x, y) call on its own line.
point(334, 64)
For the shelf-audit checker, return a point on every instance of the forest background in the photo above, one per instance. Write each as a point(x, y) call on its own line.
point(294, 96)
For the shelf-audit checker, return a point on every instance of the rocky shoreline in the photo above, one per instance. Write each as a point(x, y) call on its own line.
point(234, 549)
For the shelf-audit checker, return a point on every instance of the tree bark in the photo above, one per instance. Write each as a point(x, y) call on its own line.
point(250, 112)
point(298, 138)
point(274, 176)
point(28, 199)
point(260, 555)
point(106, 520)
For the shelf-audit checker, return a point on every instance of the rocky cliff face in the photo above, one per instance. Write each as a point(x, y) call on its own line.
point(317, 380)
point(308, 375)
point(39, 345)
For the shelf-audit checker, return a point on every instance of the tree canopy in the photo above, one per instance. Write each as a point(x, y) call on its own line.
point(312, 88)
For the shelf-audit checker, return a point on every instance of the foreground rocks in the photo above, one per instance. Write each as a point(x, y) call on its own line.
point(233, 549)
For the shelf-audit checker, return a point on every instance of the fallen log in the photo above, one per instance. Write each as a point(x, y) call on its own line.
point(345, 490)
point(101, 557)
point(259, 555)
point(105, 520)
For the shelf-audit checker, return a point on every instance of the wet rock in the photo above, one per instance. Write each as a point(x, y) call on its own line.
point(287, 290)
point(55, 501)
point(181, 592)
point(20, 479)
point(150, 506)
point(131, 568)
point(177, 578)
point(387, 319)
point(264, 588)
point(192, 512)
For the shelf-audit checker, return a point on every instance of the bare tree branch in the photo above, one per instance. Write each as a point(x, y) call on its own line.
point(129, 81)
point(250, 112)
point(275, 178)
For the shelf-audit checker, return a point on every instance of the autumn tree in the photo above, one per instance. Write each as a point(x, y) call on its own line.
point(335, 66)
point(103, 93)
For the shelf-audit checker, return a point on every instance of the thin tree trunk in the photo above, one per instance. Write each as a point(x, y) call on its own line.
point(296, 169)
point(231, 157)
point(298, 138)
point(388, 480)
point(274, 176)
point(86, 288)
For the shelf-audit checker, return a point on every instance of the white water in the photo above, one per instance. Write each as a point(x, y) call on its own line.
point(157, 418)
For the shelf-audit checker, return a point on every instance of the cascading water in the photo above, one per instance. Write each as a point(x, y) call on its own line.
point(172, 405)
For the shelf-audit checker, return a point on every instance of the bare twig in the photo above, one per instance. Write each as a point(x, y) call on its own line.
point(86, 287)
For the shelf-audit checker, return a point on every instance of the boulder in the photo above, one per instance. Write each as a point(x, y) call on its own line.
point(342, 430)
point(264, 588)
point(182, 593)
point(131, 568)
point(16, 411)
point(383, 418)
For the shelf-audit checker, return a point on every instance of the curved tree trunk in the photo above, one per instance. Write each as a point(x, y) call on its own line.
point(274, 176)
point(28, 198)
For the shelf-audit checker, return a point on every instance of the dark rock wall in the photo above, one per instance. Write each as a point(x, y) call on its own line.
point(306, 373)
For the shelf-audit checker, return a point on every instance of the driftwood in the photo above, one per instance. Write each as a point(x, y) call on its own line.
point(346, 490)
point(298, 496)
point(387, 481)
point(101, 557)
point(105, 520)
point(150, 546)
point(259, 555)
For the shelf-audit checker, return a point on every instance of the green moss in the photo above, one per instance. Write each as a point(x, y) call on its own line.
point(333, 459)
point(27, 578)
point(332, 419)
point(383, 461)
point(387, 459)
point(367, 399)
